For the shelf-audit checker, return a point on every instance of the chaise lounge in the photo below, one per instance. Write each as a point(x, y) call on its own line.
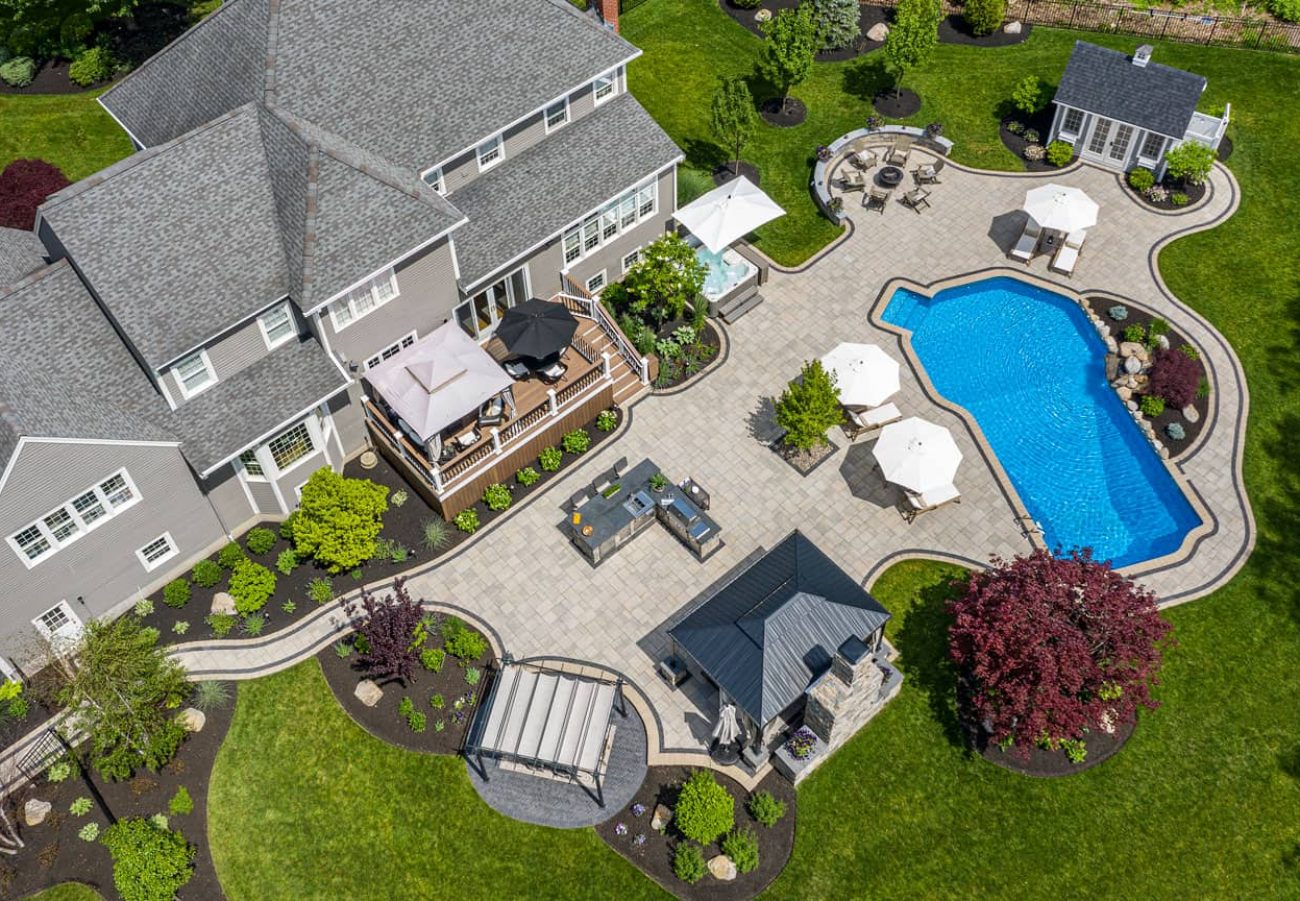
point(925, 501)
point(1027, 244)
point(859, 423)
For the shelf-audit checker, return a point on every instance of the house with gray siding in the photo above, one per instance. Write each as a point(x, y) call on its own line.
point(317, 186)
point(1122, 112)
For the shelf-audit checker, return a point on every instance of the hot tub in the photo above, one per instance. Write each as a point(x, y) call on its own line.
point(730, 279)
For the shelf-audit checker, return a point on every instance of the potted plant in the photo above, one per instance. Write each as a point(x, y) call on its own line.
point(933, 130)
point(874, 122)
point(658, 482)
point(836, 205)
point(824, 153)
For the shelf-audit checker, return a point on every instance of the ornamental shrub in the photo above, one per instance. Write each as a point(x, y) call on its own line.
point(527, 476)
point(467, 520)
point(1016, 128)
point(747, 4)
point(837, 22)
point(1190, 162)
point(1286, 10)
point(1135, 333)
point(220, 623)
point(286, 561)
point(1178, 198)
point(206, 573)
point(24, 185)
point(434, 533)
point(253, 625)
point(461, 641)
point(1034, 152)
point(1174, 376)
point(1176, 431)
point(230, 556)
point(339, 519)
point(606, 420)
point(417, 721)
point(80, 807)
point(766, 808)
point(497, 497)
point(809, 407)
point(286, 527)
point(181, 802)
point(688, 863)
point(91, 66)
point(742, 847)
point(143, 608)
point(1027, 95)
point(1119, 312)
point(89, 832)
point(251, 585)
point(18, 72)
point(984, 16)
point(1031, 135)
point(549, 459)
point(320, 590)
point(1059, 153)
point(705, 810)
point(432, 659)
point(576, 442)
point(1151, 405)
point(1140, 179)
point(259, 541)
point(149, 864)
point(176, 593)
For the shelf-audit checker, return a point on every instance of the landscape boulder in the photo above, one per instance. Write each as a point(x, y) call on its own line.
point(1132, 365)
point(192, 719)
point(222, 602)
point(1014, 27)
point(35, 811)
point(368, 692)
point(1191, 414)
point(878, 32)
point(723, 868)
point(663, 815)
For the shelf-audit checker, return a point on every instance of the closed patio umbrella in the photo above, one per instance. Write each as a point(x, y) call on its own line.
point(537, 328)
point(917, 455)
point(1061, 208)
point(865, 374)
point(727, 730)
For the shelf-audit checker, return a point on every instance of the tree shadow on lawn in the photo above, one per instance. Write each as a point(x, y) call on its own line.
point(705, 155)
point(867, 79)
point(922, 643)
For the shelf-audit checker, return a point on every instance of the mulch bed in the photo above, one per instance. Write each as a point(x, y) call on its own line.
point(783, 115)
point(1195, 194)
point(804, 462)
point(1138, 316)
point(1045, 763)
point(55, 853)
point(667, 381)
point(384, 722)
point(730, 170)
point(655, 856)
point(51, 78)
point(954, 30)
point(897, 103)
point(38, 691)
point(1040, 122)
point(867, 17)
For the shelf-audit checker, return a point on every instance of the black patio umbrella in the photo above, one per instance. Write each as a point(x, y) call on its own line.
point(537, 328)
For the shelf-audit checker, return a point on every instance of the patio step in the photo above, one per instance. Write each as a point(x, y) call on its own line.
point(733, 310)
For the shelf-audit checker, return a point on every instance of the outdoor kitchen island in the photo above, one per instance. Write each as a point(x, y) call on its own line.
point(629, 503)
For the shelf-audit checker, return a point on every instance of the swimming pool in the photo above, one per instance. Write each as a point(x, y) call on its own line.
point(1030, 368)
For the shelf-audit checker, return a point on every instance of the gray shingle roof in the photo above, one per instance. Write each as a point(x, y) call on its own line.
point(1155, 97)
point(450, 74)
point(21, 253)
point(231, 415)
point(55, 387)
point(188, 238)
point(767, 634)
point(519, 204)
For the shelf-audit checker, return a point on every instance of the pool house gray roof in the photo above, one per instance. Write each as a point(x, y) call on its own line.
point(767, 634)
point(1111, 84)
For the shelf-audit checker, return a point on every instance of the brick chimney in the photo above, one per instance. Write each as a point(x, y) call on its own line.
point(608, 10)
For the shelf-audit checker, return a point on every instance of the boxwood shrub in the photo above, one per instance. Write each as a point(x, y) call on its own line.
point(206, 573)
point(705, 810)
point(260, 540)
point(251, 585)
point(176, 593)
point(688, 863)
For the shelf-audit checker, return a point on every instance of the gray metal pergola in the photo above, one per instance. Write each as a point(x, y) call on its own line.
point(546, 717)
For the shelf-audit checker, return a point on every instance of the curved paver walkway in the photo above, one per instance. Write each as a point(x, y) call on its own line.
point(524, 579)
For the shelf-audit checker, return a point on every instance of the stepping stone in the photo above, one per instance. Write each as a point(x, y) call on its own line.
point(222, 602)
point(35, 811)
point(722, 868)
point(368, 692)
point(662, 817)
point(192, 719)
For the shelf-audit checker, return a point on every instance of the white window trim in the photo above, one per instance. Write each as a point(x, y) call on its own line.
point(313, 435)
point(378, 356)
point(611, 75)
point(73, 620)
point(266, 335)
point(83, 527)
point(202, 354)
point(604, 282)
point(500, 141)
point(243, 468)
point(546, 115)
point(369, 285)
point(637, 252)
point(173, 550)
point(439, 183)
point(598, 217)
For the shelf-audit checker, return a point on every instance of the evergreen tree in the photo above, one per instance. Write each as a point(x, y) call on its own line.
point(809, 407)
point(837, 23)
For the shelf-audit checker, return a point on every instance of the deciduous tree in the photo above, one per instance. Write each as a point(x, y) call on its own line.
point(24, 185)
point(912, 37)
point(659, 286)
point(1190, 162)
point(731, 115)
point(809, 407)
point(391, 648)
point(789, 48)
point(1050, 646)
point(1175, 377)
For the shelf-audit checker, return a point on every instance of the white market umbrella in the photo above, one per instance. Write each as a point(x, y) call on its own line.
point(1061, 208)
point(727, 213)
point(727, 729)
point(865, 374)
point(917, 455)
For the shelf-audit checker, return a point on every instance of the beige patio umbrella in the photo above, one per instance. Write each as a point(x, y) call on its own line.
point(865, 374)
point(1061, 208)
point(917, 455)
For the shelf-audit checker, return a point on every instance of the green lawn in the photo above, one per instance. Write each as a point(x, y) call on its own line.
point(73, 132)
point(305, 805)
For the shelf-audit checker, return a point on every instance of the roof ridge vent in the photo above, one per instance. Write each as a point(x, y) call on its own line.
point(1142, 55)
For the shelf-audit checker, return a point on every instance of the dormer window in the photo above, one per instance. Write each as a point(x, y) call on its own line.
point(195, 373)
point(277, 326)
point(557, 115)
point(433, 178)
point(491, 152)
point(606, 86)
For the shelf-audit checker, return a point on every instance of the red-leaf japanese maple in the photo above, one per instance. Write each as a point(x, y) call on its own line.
point(1051, 645)
point(1175, 377)
point(24, 185)
point(389, 649)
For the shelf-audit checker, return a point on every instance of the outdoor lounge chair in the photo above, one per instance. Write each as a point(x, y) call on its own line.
point(862, 160)
point(878, 200)
point(852, 181)
point(929, 174)
point(466, 439)
point(916, 504)
point(553, 372)
point(1064, 260)
point(1028, 243)
point(870, 420)
point(493, 412)
point(899, 152)
point(916, 199)
point(516, 369)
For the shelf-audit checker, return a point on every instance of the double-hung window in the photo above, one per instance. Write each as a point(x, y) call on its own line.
point(277, 326)
point(1073, 122)
point(606, 86)
point(74, 518)
point(557, 115)
point(491, 152)
point(596, 283)
point(1152, 146)
point(252, 466)
point(291, 446)
point(195, 373)
point(391, 351)
point(156, 552)
point(363, 299)
point(631, 259)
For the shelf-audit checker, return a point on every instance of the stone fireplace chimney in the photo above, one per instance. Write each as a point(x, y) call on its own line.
point(846, 696)
point(608, 10)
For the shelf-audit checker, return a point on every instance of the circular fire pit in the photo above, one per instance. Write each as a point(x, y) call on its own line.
point(890, 177)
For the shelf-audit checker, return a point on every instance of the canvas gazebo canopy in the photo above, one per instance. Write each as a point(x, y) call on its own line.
point(727, 213)
point(438, 380)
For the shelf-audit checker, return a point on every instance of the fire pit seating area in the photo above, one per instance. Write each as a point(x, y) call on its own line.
point(874, 161)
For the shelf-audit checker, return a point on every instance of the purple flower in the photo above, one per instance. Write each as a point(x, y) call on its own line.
point(638, 810)
point(620, 829)
point(639, 840)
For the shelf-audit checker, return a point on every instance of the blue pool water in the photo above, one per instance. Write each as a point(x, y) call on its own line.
point(1030, 368)
point(723, 276)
